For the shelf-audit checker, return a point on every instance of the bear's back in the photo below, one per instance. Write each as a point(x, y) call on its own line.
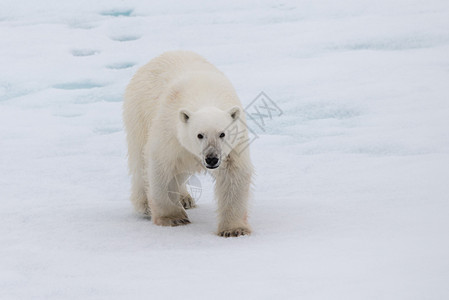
point(172, 65)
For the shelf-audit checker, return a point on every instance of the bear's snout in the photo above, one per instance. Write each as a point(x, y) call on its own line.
point(212, 162)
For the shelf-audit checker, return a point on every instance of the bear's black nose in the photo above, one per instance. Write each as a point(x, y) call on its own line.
point(211, 162)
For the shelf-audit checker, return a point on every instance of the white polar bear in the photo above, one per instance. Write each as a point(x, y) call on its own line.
point(178, 112)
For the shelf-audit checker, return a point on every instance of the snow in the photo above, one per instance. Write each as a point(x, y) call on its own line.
point(351, 194)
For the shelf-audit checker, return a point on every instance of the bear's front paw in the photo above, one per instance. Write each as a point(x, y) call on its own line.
point(187, 201)
point(171, 221)
point(235, 232)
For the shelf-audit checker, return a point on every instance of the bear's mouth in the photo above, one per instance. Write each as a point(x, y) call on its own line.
point(212, 167)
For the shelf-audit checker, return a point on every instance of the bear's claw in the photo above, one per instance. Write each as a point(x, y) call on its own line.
point(187, 202)
point(180, 222)
point(170, 221)
point(234, 232)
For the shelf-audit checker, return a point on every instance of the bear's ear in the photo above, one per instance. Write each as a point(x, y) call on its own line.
point(234, 112)
point(184, 115)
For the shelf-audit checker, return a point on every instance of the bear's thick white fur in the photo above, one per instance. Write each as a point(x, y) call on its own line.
point(168, 104)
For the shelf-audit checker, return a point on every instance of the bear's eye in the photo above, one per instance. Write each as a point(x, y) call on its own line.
point(200, 136)
point(222, 135)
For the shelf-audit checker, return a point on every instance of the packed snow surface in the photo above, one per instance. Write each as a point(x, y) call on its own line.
point(351, 197)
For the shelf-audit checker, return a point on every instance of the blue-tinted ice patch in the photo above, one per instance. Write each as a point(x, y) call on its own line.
point(84, 52)
point(125, 38)
point(79, 85)
point(396, 43)
point(387, 148)
point(117, 13)
point(107, 130)
point(121, 65)
point(81, 23)
point(68, 115)
point(117, 98)
point(317, 114)
point(320, 111)
point(9, 91)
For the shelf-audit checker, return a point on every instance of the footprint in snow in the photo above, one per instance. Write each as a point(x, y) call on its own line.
point(77, 85)
point(120, 65)
point(125, 38)
point(84, 52)
point(117, 13)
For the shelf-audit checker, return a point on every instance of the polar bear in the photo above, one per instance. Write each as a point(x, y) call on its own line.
point(181, 116)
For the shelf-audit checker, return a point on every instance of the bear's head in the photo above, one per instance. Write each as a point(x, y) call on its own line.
point(206, 133)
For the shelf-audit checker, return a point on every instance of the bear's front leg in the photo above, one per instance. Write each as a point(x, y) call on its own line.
point(164, 210)
point(232, 191)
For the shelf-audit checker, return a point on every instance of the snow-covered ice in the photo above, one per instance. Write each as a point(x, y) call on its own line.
point(351, 198)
